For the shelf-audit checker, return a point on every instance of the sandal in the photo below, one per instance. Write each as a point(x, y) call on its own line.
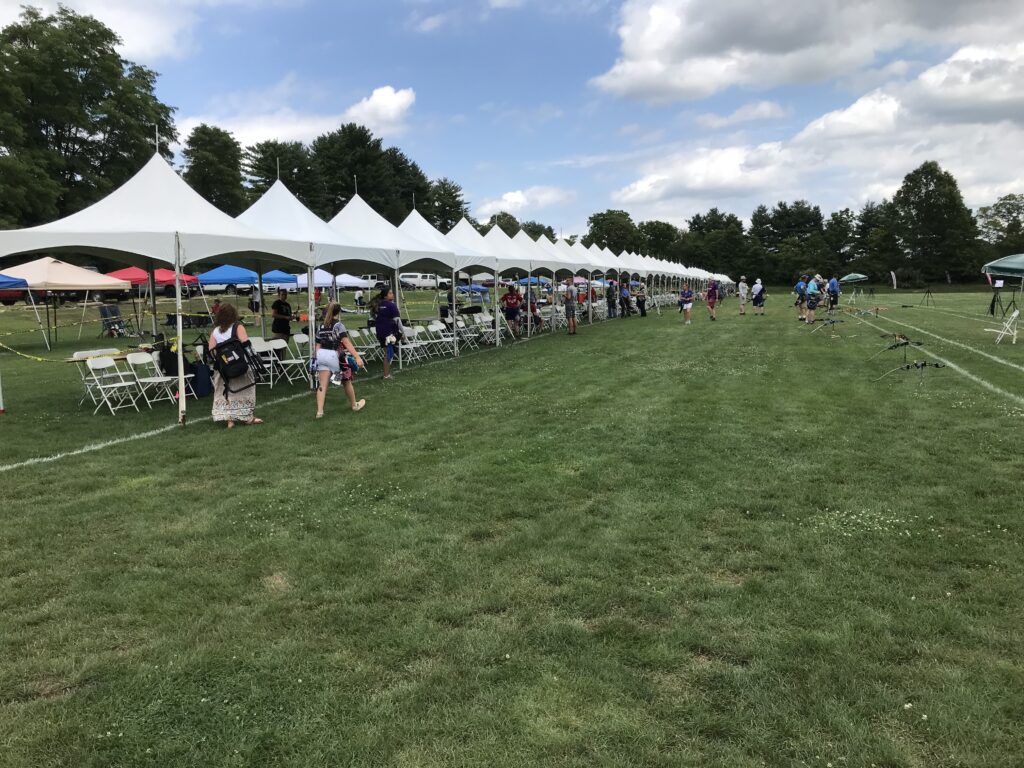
point(319, 414)
point(253, 421)
point(359, 405)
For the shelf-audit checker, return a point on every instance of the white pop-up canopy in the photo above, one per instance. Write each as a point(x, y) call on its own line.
point(360, 222)
point(279, 213)
point(465, 256)
point(541, 258)
point(571, 262)
point(324, 279)
point(154, 216)
point(516, 255)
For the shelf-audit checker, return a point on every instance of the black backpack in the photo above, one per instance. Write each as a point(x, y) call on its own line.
point(231, 360)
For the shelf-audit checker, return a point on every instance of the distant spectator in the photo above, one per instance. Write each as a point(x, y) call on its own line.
point(511, 303)
point(742, 288)
point(641, 300)
point(387, 324)
point(712, 298)
point(833, 293)
point(758, 294)
point(686, 303)
point(281, 311)
point(569, 305)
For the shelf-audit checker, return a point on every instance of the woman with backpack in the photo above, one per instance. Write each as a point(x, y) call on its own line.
point(332, 349)
point(234, 386)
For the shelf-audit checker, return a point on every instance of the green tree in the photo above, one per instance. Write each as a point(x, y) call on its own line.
point(262, 162)
point(936, 229)
point(1002, 224)
point(76, 120)
point(657, 237)
point(876, 248)
point(409, 187)
point(213, 167)
point(445, 205)
point(349, 157)
point(535, 229)
point(838, 235)
point(614, 230)
point(508, 223)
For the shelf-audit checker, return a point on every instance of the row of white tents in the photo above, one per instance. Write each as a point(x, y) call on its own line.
point(156, 220)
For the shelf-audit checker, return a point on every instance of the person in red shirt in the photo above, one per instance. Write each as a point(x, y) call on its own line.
point(510, 303)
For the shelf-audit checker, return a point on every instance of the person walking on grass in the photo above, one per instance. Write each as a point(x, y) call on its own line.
point(800, 289)
point(758, 295)
point(686, 303)
point(510, 304)
point(569, 304)
point(742, 289)
point(814, 286)
point(332, 344)
point(234, 398)
point(712, 298)
point(387, 325)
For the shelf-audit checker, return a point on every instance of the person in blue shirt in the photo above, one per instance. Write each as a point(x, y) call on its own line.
point(686, 303)
point(624, 305)
point(833, 294)
point(800, 289)
point(813, 293)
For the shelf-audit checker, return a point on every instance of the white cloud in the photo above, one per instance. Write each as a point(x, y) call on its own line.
point(384, 111)
point(686, 49)
point(151, 29)
point(524, 201)
point(254, 116)
point(755, 111)
point(964, 113)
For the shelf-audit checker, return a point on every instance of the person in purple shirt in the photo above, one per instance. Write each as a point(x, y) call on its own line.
point(387, 322)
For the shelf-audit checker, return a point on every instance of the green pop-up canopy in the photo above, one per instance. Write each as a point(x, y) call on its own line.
point(853, 277)
point(1008, 266)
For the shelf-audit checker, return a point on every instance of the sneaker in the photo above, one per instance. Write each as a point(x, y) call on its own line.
point(359, 405)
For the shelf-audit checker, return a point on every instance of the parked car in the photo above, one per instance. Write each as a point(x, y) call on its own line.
point(239, 289)
point(424, 280)
point(379, 281)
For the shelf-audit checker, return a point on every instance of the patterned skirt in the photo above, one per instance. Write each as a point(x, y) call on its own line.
point(234, 406)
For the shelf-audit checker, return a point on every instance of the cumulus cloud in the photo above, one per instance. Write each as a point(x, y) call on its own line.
point(748, 113)
point(247, 116)
point(963, 112)
point(687, 49)
point(524, 201)
point(150, 30)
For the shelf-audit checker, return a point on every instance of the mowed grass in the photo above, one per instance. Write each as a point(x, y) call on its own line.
point(714, 545)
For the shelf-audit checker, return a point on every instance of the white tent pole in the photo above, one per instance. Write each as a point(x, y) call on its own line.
point(310, 309)
point(397, 289)
point(181, 333)
point(554, 295)
point(39, 321)
point(259, 281)
point(494, 303)
point(151, 287)
point(455, 315)
point(590, 302)
point(529, 309)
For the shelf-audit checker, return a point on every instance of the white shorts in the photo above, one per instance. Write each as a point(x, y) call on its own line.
point(327, 360)
point(688, 306)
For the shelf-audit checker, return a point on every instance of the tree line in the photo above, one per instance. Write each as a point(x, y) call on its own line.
point(77, 120)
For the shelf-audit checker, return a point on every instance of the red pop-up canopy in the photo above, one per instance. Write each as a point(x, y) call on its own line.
point(137, 276)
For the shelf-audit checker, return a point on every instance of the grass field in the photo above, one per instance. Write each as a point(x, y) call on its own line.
point(650, 545)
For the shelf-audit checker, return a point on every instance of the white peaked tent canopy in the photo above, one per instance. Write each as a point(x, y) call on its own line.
point(49, 274)
point(465, 256)
point(540, 257)
point(155, 216)
point(582, 254)
point(360, 222)
point(570, 260)
point(467, 236)
point(279, 213)
point(516, 256)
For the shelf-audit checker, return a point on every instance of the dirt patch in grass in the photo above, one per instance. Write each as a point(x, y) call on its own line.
point(276, 583)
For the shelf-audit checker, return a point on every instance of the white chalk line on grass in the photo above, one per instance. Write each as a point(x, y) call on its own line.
point(976, 318)
point(968, 347)
point(93, 447)
point(965, 373)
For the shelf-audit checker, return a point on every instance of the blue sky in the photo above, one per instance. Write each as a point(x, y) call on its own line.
point(555, 109)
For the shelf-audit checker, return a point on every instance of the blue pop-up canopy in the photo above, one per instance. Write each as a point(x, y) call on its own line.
point(11, 283)
point(277, 276)
point(534, 280)
point(472, 288)
point(228, 274)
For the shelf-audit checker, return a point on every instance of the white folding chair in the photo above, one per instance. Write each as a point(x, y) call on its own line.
point(365, 343)
point(140, 364)
point(265, 351)
point(81, 359)
point(412, 348)
point(467, 335)
point(110, 385)
point(161, 372)
point(1008, 328)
